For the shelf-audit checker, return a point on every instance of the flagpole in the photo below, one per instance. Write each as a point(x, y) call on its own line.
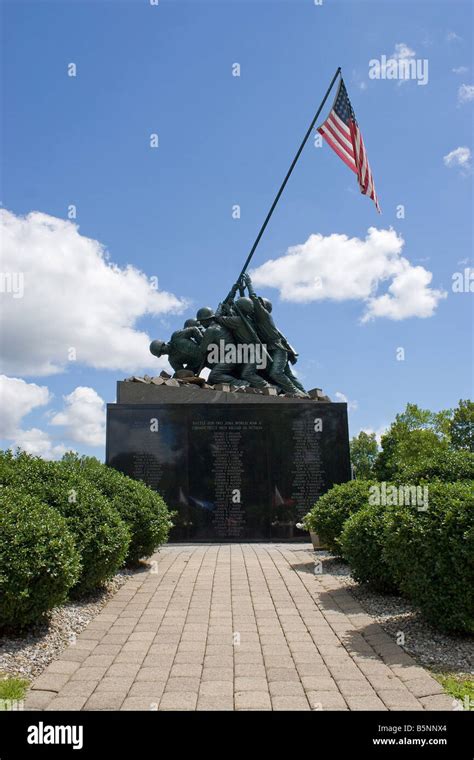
point(293, 164)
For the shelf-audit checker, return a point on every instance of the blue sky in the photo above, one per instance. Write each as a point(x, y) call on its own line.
point(226, 140)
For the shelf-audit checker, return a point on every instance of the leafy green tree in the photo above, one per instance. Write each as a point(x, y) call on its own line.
point(364, 452)
point(415, 436)
point(447, 466)
point(419, 445)
point(461, 427)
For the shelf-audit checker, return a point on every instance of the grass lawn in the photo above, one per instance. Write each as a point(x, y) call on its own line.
point(12, 689)
point(459, 686)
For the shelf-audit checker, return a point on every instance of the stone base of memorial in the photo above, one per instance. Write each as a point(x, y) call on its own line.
point(233, 465)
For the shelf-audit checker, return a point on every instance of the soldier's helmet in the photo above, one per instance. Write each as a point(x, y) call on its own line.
point(268, 304)
point(245, 305)
point(204, 314)
point(156, 347)
point(191, 323)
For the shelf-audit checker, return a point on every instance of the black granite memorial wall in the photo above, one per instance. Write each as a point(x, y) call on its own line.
point(233, 466)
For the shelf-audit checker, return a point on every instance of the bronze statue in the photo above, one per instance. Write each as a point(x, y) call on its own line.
point(183, 349)
point(239, 343)
point(194, 323)
point(280, 350)
point(216, 334)
point(238, 317)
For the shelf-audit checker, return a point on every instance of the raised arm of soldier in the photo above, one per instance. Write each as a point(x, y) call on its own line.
point(225, 307)
point(280, 350)
point(262, 306)
point(247, 280)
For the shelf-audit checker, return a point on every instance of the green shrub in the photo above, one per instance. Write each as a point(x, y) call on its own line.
point(330, 512)
point(100, 535)
point(39, 562)
point(142, 509)
point(431, 554)
point(448, 466)
point(362, 541)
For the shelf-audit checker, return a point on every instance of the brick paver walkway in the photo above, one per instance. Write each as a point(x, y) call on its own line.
point(234, 627)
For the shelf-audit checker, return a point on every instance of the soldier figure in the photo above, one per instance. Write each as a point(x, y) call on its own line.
point(183, 349)
point(280, 350)
point(194, 323)
point(214, 333)
point(238, 318)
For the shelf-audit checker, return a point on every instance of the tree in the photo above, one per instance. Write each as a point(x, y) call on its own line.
point(364, 452)
point(462, 426)
point(415, 436)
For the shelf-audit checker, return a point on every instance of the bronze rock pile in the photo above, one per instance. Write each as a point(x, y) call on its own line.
point(186, 377)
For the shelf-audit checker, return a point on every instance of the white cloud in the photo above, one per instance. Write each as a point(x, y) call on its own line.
point(465, 93)
point(402, 65)
point(339, 268)
point(460, 70)
point(403, 51)
point(351, 405)
point(74, 298)
point(18, 398)
point(453, 37)
point(83, 417)
point(38, 443)
point(409, 295)
point(460, 157)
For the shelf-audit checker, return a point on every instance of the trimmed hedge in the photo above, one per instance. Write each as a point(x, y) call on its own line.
point(431, 554)
point(330, 512)
point(39, 562)
point(362, 542)
point(142, 509)
point(100, 535)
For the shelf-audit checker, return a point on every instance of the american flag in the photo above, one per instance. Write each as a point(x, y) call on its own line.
point(342, 133)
